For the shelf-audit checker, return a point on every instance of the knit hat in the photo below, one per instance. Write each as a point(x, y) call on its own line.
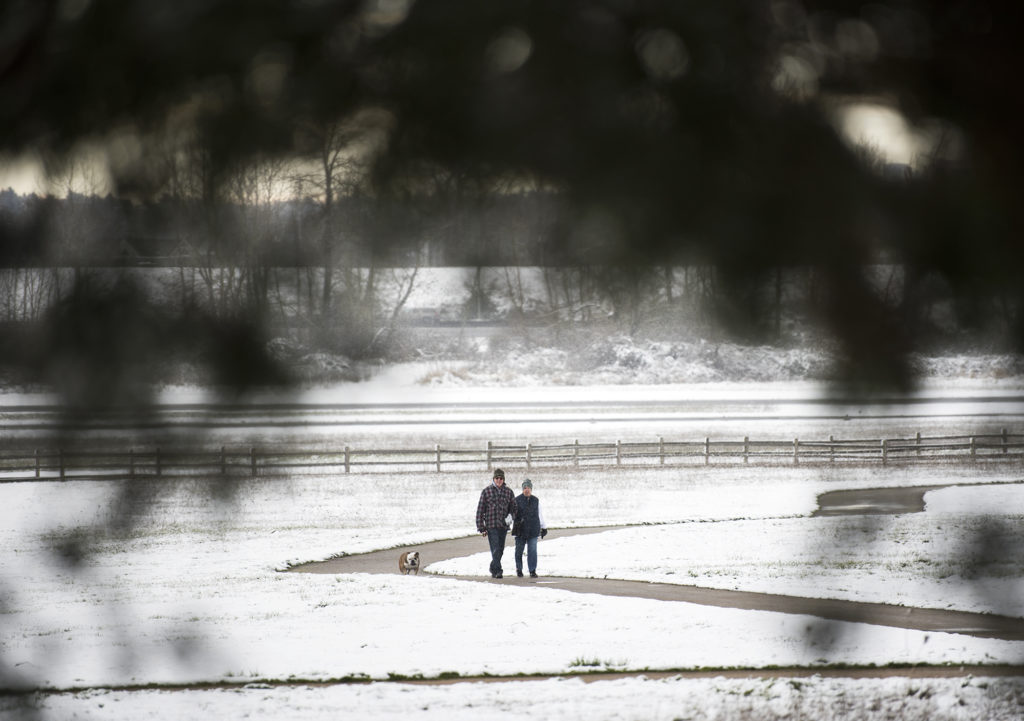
point(527, 483)
point(498, 473)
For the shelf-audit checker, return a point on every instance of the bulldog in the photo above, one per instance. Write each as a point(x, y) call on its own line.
point(409, 561)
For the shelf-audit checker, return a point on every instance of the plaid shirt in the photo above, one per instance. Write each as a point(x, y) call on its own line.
point(495, 504)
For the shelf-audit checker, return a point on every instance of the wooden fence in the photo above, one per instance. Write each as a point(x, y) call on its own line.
point(92, 464)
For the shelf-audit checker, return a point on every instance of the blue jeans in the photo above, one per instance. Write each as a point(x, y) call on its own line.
point(496, 539)
point(531, 553)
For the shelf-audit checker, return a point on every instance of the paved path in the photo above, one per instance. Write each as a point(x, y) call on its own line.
point(874, 501)
point(892, 500)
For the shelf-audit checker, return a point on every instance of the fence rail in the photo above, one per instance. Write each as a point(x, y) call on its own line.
point(92, 464)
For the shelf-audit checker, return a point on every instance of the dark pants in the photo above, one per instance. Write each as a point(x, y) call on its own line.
point(530, 545)
point(496, 538)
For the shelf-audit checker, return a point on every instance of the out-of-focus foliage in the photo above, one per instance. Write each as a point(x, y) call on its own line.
point(711, 131)
point(712, 135)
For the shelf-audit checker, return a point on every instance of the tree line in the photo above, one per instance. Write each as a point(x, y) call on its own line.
point(106, 231)
point(635, 137)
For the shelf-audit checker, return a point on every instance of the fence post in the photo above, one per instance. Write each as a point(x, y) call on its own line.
point(917, 440)
point(576, 452)
point(885, 452)
point(157, 461)
point(746, 449)
point(796, 451)
point(252, 460)
point(437, 457)
point(1004, 440)
point(661, 450)
point(707, 450)
point(618, 452)
point(37, 463)
point(347, 459)
point(60, 455)
point(529, 455)
point(974, 448)
point(223, 462)
point(489, 452)
point(831, 449)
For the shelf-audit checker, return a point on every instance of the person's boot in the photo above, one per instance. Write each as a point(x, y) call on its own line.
point(519, 572)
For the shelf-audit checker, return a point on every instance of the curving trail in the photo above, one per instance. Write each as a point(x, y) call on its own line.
point(888, 500)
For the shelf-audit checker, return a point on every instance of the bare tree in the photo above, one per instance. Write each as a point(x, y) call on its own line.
point(334, 170)
point(74, 238)
point(252, 196)
point(26, 293)
point(403, 280)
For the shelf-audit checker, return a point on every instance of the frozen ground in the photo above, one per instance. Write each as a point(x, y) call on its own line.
point(924, 560)
point(628, 699)
point(192, 589)
point(195, 594)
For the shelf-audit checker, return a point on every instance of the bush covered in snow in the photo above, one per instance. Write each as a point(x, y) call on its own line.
point(620, 360)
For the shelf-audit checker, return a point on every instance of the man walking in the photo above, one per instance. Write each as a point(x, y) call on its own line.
point(497, 503)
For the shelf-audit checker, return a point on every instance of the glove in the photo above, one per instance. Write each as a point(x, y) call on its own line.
point(543, 532)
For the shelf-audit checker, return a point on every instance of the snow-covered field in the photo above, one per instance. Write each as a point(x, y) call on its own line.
point(923, 560)
point(195, 593)
point(628, 699)
point(104, 592)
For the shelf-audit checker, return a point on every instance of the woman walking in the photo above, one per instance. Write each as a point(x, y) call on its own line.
point(530, 527)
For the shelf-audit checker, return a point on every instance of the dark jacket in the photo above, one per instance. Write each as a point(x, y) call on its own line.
point(528, 524)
